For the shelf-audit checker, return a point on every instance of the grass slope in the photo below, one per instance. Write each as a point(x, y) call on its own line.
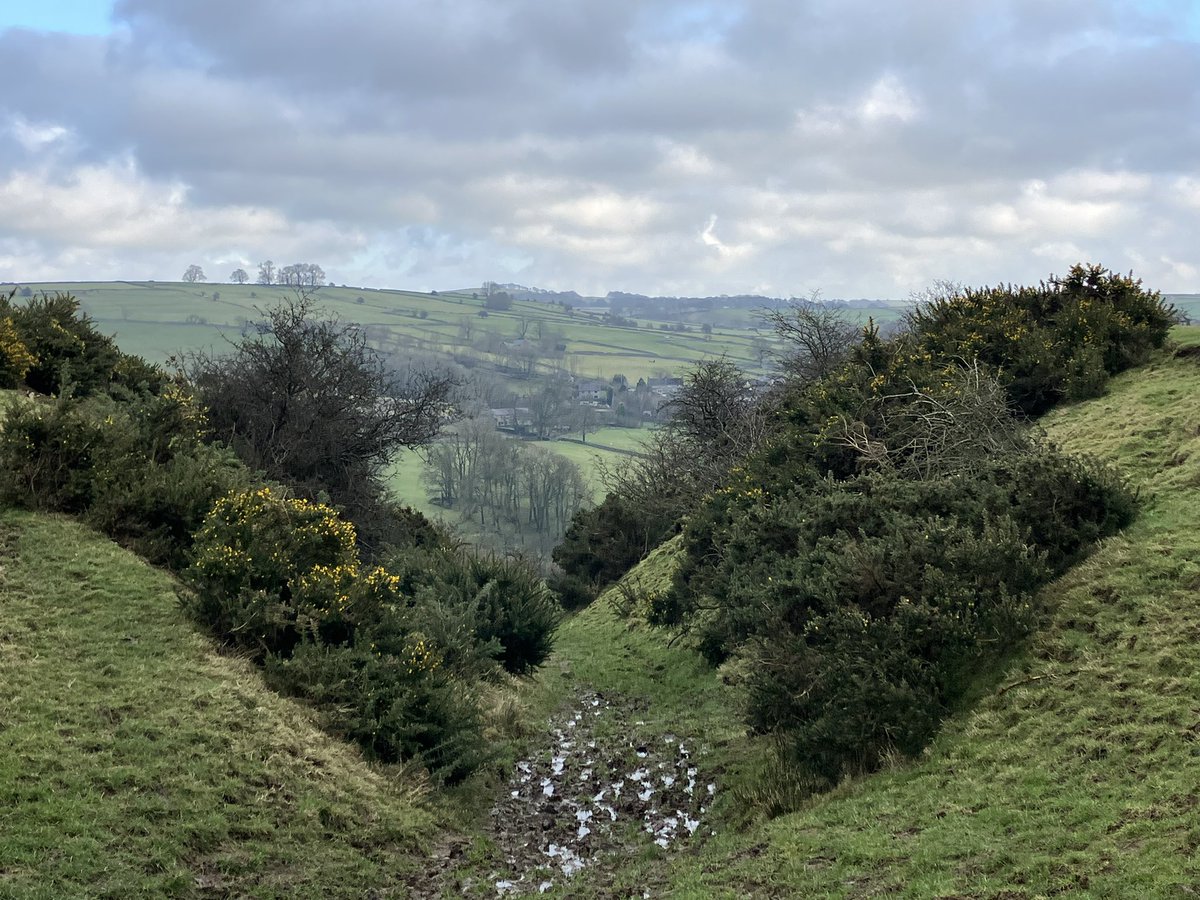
point(137, 762)
point(1076, 774)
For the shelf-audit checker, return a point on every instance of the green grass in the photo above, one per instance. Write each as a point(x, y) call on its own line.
point(137, 762)
point(629, 439)
point(1075, 773)
point(151, 320)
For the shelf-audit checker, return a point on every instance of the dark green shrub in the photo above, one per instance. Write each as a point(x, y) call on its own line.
point(156, 507)
point(281, 577)
point(135, 469)
point(846, 693)
point(134, 377)
point(50, 454)
point(1058, 341)
point(1066, 503)
point(508, 603)
point(480, 610)
point(572, 591)
point(385, 526)
point(66, 347)
point(864, 607)
point(398, 705)
point(601, 544)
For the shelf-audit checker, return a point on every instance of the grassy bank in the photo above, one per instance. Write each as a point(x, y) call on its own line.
point(137, 762)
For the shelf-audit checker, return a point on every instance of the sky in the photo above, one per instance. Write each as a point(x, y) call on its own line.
point(856, 148)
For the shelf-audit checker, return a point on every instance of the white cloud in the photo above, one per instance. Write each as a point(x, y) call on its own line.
point(888, 99)
point(35, 136)
point(726, 253)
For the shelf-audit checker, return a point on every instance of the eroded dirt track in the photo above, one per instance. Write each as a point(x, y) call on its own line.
point(603, 785)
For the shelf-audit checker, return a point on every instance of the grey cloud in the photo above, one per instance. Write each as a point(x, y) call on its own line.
point(588, 144)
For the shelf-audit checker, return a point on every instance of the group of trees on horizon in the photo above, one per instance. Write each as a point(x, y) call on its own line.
point(297, 275)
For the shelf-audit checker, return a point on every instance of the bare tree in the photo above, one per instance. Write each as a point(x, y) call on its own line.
point(552, 406)
point(926, 434)
point(239, 276)
point(717, 420)
point(302, 275)
point(304, 399)
point(266, 272)
point(193, 274)
point(717, 412)
point(817, 338)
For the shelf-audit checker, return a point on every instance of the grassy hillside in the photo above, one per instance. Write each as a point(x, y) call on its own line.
point(1075, 773)
point(137, 762)
point(157, 319)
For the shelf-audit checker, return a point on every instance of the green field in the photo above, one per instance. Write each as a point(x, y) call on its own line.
point(152, 320)
point(610, 447)
point(160, 319)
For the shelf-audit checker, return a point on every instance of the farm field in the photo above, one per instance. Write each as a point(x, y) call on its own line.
point(405, 477)
point(160, 319)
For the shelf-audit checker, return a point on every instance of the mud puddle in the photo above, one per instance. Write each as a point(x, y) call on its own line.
point(604, 785)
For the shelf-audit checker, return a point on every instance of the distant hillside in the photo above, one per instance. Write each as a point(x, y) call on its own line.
point(159, 319)
point(1188, 303)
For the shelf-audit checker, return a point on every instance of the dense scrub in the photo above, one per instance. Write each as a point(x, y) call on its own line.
point(392, 658)
point(885, 544)
point(1060, 340)
point(602, 543)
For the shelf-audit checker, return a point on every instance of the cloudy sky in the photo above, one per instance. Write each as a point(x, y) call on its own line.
point(863, 148)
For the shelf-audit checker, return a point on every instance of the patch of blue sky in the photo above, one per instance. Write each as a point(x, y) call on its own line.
point(690, 20)
point(88, 17)
point(1181, 17)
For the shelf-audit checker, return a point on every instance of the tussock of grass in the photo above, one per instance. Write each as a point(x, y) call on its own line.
point(136, 761)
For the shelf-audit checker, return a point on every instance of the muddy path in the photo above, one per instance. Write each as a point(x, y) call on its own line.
point(600, 786)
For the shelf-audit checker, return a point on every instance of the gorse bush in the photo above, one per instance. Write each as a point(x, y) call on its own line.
point(50, 454)
point(511, 606)
point(503, 604)
point(251, 556)
point(387, 654)
point(887, 541)
point(281, 577)
point(395, 705)
point(61, 346)
point(16, 359)
point(1060, 340)
point(135, 469)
